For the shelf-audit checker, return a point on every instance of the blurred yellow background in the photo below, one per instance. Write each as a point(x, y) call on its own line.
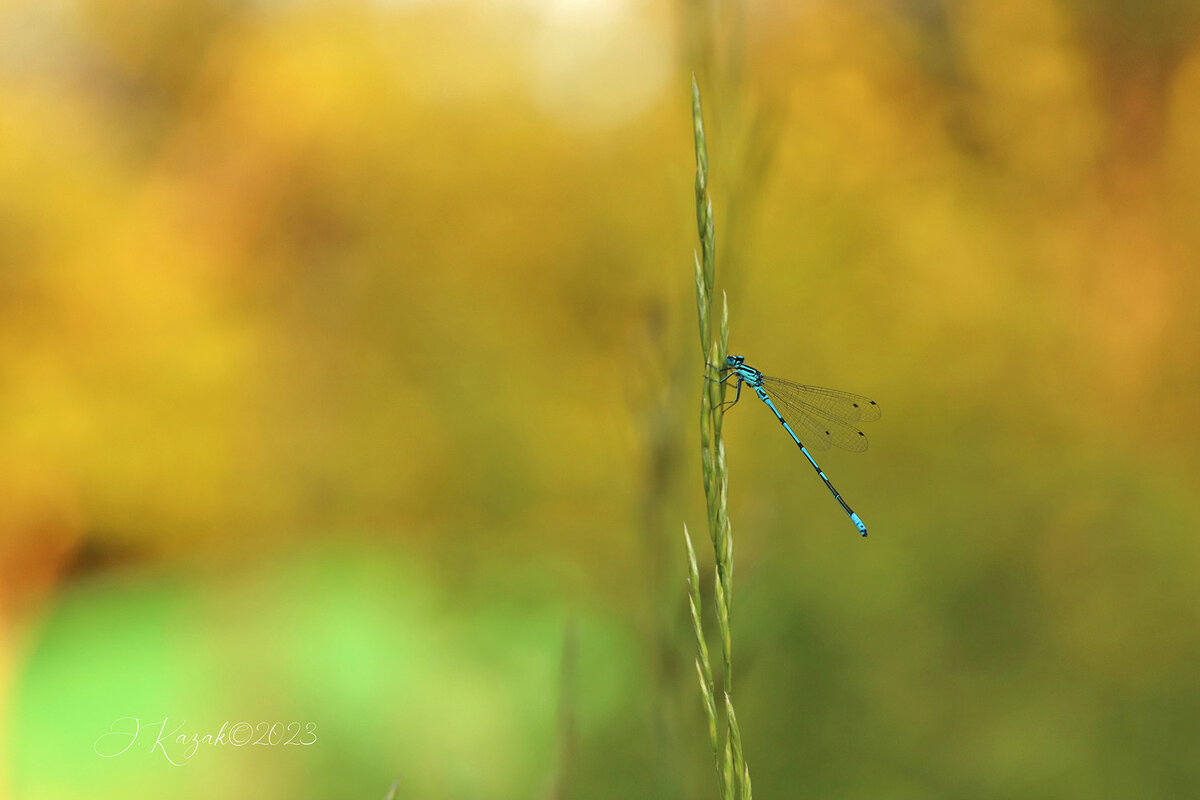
point(349, 377)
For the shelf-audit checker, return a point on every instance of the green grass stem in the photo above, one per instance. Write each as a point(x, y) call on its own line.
point(732, 773)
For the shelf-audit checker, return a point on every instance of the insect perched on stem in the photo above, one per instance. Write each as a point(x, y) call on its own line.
point(825, 417)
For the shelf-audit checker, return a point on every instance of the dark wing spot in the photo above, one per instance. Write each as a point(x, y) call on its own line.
point(826, 433)
point(855, 405)
point(860, 433)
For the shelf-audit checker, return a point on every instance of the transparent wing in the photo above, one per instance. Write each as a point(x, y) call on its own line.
point(843, 406)
point(823, 417)
point(814, 434)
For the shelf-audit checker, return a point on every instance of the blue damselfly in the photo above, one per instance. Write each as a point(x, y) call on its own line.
point(825, 417)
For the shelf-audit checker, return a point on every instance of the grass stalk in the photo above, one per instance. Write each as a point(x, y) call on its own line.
point(732, 773)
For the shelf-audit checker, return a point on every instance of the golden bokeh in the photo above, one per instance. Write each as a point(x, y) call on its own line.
point(349, 376)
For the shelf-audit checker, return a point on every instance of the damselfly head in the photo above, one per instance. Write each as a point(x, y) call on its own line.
point(734, 361)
